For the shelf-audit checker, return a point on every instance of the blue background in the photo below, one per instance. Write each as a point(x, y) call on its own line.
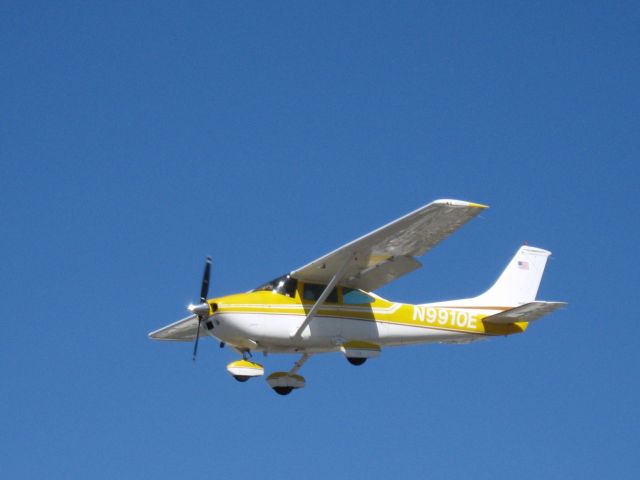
point(138, 138)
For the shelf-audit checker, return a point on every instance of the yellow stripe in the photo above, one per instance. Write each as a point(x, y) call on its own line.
point(461, 319)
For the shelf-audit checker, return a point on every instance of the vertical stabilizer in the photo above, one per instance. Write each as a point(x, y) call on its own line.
point(519, 282)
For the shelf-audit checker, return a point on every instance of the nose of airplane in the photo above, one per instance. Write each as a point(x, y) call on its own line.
point(201, 309)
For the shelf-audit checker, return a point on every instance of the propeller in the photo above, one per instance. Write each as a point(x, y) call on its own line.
point(202, 309)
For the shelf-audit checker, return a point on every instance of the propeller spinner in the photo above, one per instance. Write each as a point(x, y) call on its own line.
point(203, 309)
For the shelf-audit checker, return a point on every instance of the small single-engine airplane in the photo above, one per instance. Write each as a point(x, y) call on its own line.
point(327, 305)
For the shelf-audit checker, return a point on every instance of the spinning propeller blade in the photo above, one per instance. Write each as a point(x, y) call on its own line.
point(202, 310)
point(195, 345)
point(204, 289)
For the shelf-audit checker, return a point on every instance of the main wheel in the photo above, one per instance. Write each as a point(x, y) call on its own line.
point(241, 378)
point(356, 360)
point(283, 390)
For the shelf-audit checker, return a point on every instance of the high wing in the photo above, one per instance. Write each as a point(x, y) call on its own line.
point(528, 312)
point(181, 331)
point(389, 252)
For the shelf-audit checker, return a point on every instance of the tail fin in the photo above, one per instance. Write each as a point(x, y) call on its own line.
point(518, 284)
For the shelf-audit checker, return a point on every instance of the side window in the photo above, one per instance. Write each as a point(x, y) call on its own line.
point(313, 291)
point(355, 297)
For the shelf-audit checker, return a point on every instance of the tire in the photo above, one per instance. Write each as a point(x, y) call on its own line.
point(283, 390)
point(356, 361)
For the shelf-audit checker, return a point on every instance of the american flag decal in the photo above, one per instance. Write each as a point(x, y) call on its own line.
point(523, 265)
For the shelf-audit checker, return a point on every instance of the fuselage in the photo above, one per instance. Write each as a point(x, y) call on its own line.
point(265, 320)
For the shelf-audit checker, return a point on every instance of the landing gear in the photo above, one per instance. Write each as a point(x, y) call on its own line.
point(356, 360)
point(357, 351)
point(243, 370)
point(283, 383)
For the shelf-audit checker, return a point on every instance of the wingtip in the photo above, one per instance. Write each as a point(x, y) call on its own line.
point(478, 205)
point(461, 203)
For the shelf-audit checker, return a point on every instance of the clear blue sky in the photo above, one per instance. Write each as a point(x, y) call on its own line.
point(137, 139)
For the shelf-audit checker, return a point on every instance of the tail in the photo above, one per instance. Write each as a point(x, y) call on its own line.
point(518, 284)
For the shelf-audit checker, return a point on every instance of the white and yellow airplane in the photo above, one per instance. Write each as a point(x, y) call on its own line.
point(327, 305)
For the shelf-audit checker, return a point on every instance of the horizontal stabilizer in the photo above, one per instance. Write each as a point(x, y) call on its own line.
point(524, 313)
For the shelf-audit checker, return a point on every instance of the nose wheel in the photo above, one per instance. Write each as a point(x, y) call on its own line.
point(243, 370)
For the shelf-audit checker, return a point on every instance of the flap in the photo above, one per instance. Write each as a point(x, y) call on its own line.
point(382, 273)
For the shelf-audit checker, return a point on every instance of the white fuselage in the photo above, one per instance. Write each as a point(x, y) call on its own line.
point(272, 332)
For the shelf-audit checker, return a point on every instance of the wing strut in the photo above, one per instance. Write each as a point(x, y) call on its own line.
point(316, 306)
point(299, 363)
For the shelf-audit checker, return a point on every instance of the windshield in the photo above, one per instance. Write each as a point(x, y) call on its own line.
point(284, 285)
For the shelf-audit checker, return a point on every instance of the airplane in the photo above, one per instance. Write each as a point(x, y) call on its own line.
point(328, 304)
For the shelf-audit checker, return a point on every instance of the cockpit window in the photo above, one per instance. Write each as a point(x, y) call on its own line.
point(312, 292)
point(355, 297)
point(284, 285)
